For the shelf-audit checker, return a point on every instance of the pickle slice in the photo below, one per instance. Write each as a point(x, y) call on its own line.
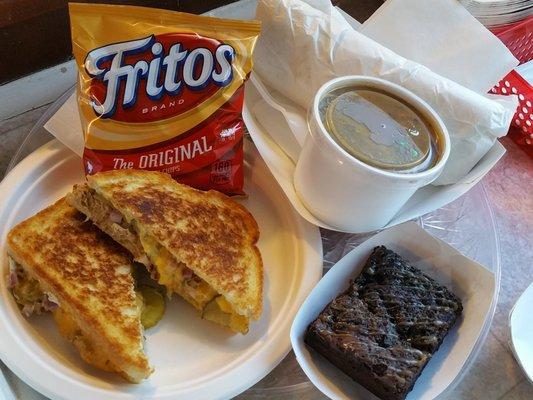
point(153, 306)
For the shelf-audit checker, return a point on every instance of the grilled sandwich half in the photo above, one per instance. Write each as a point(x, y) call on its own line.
point(60, 262)
point(200, 245)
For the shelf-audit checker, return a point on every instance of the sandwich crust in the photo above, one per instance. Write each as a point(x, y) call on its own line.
point(209, 232)
point(90, 275)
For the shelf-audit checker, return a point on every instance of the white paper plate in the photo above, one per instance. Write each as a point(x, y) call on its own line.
point(470, 281)
point(193, 358)
point(521, 324)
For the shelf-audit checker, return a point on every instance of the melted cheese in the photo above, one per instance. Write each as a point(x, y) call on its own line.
point(177, 278)
point(173, 275)
point(91, 353)
point(220, 311)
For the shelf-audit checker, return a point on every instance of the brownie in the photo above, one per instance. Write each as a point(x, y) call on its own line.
point(385, 327)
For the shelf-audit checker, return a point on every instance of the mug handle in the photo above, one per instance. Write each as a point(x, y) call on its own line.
point(286, 124)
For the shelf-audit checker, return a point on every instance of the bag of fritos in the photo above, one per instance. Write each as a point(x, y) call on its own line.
point(163, 90)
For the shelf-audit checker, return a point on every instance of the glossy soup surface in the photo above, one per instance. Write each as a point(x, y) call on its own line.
point(379, 130)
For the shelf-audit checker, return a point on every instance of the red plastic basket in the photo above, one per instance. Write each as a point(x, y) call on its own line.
point(522, 125)
point(518, 37)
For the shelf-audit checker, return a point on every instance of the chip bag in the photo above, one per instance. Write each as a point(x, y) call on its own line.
point(163, 90)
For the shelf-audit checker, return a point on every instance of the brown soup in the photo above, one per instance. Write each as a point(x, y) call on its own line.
point(379, 129)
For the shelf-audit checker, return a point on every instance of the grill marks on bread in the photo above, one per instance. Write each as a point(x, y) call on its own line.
point(196, 229)
point(90, 275)
point(207, 231)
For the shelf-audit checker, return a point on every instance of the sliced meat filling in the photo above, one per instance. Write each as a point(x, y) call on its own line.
point(28, 293)
point(103, 215)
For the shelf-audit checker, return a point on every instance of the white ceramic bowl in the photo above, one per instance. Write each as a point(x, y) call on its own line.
point(345, 192)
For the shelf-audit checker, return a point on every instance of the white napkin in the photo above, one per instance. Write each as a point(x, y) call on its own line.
point(306, 43)
point(443, 36)
point(65, 125)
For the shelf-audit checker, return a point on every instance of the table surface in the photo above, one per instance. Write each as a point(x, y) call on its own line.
point(494, 374)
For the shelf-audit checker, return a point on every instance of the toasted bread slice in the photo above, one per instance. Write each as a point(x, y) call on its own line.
point(89, 276)
point(182, 229)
